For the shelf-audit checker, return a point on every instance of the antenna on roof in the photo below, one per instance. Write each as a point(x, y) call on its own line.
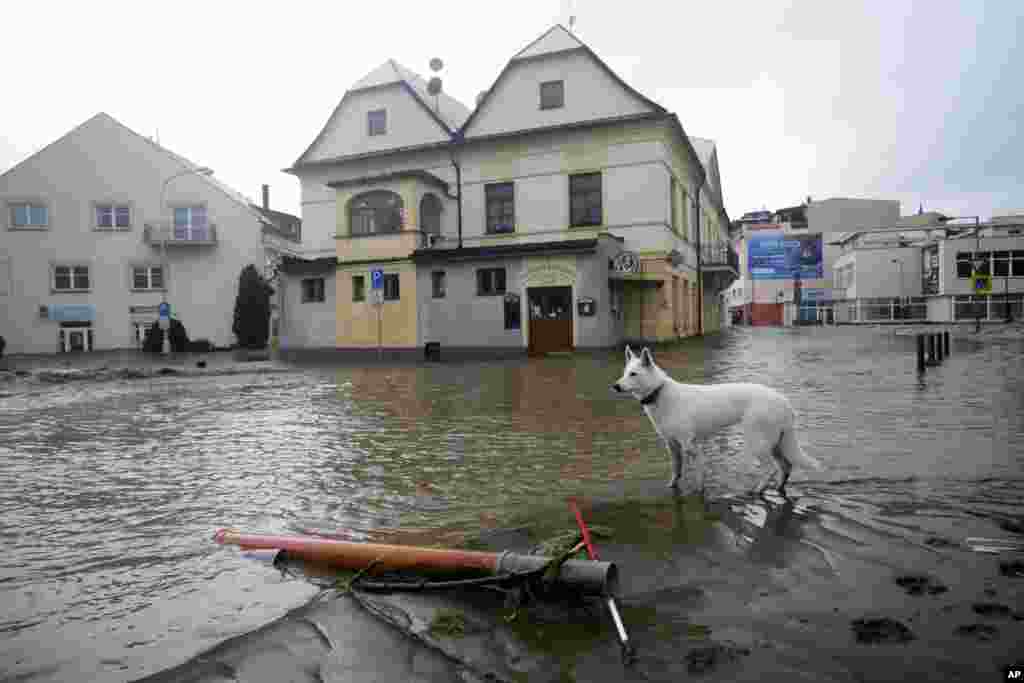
point(434, 84)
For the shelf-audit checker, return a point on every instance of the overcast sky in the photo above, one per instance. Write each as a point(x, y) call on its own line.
point(919, 101)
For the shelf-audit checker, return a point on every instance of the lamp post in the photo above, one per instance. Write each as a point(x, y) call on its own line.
point(899, 263)
point(203, 171)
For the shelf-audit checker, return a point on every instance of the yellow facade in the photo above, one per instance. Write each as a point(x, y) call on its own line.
point(357, 321)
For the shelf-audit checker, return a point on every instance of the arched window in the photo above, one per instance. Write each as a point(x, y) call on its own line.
point(375, 212)
point(430, 214)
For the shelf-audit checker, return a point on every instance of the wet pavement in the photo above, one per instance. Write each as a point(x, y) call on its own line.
point(111, 488)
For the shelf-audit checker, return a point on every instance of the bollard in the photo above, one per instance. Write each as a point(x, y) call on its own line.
point(938, 348)
point(931, 350)
point(945, 341)
point(920, 353)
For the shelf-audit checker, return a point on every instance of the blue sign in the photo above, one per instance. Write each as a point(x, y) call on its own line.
point(376, 279)
point(776, 256)
point(165, 310)
point(67, 313)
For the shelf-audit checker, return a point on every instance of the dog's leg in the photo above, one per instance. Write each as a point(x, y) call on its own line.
point(759, 450)
point(675, 450)
point(785, 466)
point(698, 463)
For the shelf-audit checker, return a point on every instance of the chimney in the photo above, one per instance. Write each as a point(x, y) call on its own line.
point(266, 197)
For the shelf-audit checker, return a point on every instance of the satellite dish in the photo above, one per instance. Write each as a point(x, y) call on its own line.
point(480, 97)
point(434, 85)
point(436, 64)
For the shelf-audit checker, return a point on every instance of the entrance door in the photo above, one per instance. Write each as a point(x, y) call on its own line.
point(550, 319)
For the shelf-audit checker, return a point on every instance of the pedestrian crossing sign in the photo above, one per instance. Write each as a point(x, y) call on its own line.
point(981, 283)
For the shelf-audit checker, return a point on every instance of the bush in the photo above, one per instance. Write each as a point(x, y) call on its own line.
point(252, 309)
point(154, 341)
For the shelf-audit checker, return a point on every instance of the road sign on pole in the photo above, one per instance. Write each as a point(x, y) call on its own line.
point(981, 283)
point(377, 279)
point(164, 310)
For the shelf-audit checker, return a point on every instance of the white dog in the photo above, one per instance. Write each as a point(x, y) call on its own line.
point(683, 414)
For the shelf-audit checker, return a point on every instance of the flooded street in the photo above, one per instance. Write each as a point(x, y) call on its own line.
point(110, 491)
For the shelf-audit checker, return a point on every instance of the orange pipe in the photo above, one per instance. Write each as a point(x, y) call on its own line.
point(356, 556)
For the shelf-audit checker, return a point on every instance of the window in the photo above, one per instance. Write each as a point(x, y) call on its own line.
point(113, 216)
point(377, 121)
point(375, 213)
point(147, 277)
point(1000, 263)
point(585, 199)
point(358, 288)
point(26, 215)
point(391, 292)
point(312, 290)
point(552, 94)
point(512, 312)
point(968, 307)
point(986, 262)
point(71, 278)
point(963, 264)
point(438, 284)
point(1017, 263)
point(490, 281)
point(430, 214)
point(501, 212)
point(190, 223)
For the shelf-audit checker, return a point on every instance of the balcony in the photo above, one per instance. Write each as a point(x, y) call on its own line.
point(155, 233)
point(719, 264)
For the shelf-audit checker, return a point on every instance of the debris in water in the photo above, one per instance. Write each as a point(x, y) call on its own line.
point(884, 630)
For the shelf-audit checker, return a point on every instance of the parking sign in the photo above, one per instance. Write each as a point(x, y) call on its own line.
point(377, 279)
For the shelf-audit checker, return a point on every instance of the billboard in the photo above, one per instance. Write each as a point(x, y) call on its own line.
point(777, 256)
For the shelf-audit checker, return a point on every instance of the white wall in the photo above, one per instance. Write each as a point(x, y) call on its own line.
point(347, 133)
point(950, 284)
point(590, 93)
point(311, 324)
point(878, 277)
point(103, 161)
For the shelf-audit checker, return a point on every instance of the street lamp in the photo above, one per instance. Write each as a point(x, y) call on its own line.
point(199, 170)
point(899, 262)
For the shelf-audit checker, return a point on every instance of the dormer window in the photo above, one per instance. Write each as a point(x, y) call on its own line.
point(377, 120)
point(552, 94)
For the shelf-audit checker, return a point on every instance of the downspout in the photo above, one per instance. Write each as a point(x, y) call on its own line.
point(456, 139)
point(700, 276)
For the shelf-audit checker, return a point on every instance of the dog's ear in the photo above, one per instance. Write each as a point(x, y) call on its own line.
point(646, 357)
point(629, 353)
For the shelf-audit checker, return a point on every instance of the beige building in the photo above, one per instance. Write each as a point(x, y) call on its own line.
point(84, 227)
point(565, 211)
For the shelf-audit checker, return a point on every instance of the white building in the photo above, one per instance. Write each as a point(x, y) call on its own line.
point(82, 228)
point(772, 301)
point(925, 273)
point(497, 229)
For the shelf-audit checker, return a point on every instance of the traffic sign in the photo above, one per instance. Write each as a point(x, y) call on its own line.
point(164, 310)
point(377, 279)
point(981, 283)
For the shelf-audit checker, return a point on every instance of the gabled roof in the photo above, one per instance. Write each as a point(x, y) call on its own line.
point(705, 149)
point(243, 201)
point(555, 40)
point(444, 109)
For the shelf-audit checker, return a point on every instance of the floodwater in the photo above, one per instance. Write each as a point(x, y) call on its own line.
point(110, 491)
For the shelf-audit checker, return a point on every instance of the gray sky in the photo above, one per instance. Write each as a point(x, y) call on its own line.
point(894, 99)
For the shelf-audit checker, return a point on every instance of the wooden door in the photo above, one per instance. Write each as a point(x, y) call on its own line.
point(550, 319)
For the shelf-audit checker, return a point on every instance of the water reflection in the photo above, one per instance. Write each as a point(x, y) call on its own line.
point(109, 492)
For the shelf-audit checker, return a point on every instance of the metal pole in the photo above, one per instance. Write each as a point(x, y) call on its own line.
point(977, 249)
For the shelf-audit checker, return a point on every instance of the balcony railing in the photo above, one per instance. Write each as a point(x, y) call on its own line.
point(156, 233)
point(719, 254)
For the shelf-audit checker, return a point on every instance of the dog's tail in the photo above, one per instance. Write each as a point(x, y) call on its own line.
point(792, 451)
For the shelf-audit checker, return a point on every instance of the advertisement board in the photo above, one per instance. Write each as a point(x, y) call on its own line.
point(777, 256)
